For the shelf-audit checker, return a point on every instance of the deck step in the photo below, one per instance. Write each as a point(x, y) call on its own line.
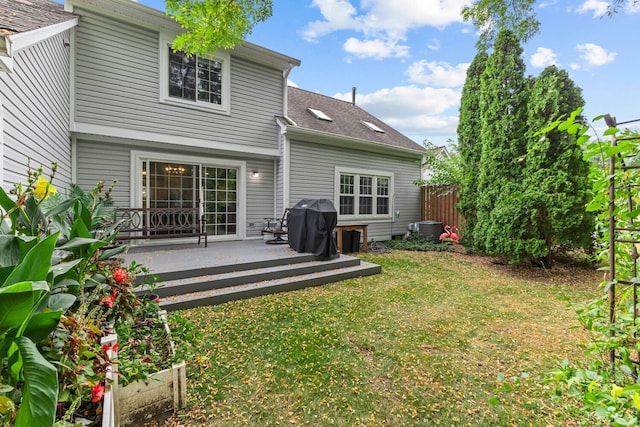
point(265, 287)
point(229, 266)
point(242, 276)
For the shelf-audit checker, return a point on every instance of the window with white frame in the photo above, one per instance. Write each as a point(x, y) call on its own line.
point(194, 81)
point(365, 194)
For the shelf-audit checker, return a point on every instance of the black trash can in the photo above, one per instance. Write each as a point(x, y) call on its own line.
point(350, 241)
point(310, 226)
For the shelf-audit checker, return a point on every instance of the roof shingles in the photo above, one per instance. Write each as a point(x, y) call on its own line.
point(346, 119)
point(19, 16)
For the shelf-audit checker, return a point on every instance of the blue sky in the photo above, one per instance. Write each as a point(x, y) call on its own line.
point(408, 58)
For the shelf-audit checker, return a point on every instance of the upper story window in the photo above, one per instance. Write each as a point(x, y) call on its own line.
point(194, 81)
point(195, 78)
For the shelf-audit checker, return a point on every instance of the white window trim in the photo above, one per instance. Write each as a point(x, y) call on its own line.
point(223, 57)
point(362, 172)
point(137, 157)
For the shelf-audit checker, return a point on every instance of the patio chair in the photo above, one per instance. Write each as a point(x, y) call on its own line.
point(277, 227)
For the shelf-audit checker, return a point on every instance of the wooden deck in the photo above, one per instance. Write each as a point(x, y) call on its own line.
point(192, 275)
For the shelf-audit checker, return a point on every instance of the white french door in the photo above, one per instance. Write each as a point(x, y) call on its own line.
point(216, 187)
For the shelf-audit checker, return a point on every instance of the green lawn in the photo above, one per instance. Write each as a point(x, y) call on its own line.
point(426, 342)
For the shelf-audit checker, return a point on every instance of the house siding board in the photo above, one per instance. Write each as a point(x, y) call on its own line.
point(105, 162)
point(313, 171)
point(260, 203)
point(35, 99)
point(117, 85)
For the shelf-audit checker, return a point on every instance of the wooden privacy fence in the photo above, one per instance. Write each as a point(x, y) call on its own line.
point(436, 206)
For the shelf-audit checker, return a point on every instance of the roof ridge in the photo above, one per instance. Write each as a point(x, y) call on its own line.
point(333, 98)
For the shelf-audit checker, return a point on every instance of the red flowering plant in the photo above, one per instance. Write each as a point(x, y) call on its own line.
point(108, 297)
point(64, 289)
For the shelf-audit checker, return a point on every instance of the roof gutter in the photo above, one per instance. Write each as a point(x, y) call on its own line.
point(332, 139)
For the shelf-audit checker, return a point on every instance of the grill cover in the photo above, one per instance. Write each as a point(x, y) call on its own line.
point(311, 223)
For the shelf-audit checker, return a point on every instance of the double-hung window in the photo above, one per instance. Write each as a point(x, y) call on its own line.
point(194, 81)
point(364, 194)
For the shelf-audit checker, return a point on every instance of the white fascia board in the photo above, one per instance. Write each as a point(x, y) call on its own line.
point(19, 41)
point(89, 131)
point(128, 11)
point(326, 138)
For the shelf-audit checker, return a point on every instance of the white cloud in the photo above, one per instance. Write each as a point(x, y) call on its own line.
point(633, 7)
point(417, 112)
point(439, 74)
point(402, 15)
point(575, 66)
point(598, 7)
point(381, 22)
point(434, 44)
point(425, 126)
point(377, 49)
point(595, 55)
point(544, 57)
point(406, 101)
point(338, 15)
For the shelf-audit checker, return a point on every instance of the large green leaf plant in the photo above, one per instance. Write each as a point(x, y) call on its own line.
point(49, 252)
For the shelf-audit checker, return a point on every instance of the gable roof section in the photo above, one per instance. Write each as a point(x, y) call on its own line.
point(347, 126)
point(156, 20)
point(26, 22)
point(19, 16)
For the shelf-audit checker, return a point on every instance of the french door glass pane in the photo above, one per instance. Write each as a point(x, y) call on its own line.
point(220, 200)
point(170, 185)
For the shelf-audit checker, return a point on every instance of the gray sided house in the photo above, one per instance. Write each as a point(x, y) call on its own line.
point(174, 131)
point(335, 150)
point(94, 85)
point(34, 88)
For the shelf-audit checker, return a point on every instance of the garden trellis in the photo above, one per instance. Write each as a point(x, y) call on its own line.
point(623, 234)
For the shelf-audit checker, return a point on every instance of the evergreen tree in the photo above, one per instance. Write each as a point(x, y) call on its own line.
point(556, 185)
point(470, 144)
point(503, 100)
point(492, 16)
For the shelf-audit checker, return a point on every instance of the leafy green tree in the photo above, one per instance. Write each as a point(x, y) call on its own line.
point(470, 144)
point(518, 16)
point(503, 100)
point(492, 16)
point(215, 24)
point(444, 171)
point(556, 183)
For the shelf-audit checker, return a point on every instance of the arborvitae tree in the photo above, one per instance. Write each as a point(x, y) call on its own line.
point(492, 16)
point(556, 188)
point(503, 101)
point(470, 144)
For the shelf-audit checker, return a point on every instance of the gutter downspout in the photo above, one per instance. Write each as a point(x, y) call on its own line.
point(284, 141)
